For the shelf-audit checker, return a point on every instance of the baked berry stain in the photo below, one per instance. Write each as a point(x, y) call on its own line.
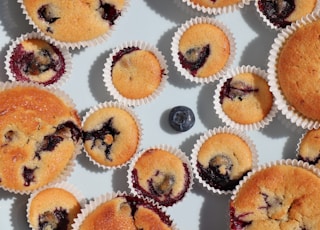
point(313, 161)
point(56, 220)
point(24, 63)
point(28, 175)
point(236, 221)
point(135, 203)
point(47, 13)
point(63, 131)
point(162, 193)
point(123, 52)
point(108, 12)
point(277, 11)
point(236, 90)
point(98, 137)
point(217, 174)
point(194, 58)
point(164, 186)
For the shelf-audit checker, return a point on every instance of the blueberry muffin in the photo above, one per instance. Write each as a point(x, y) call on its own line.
point(295, 71)
point(243, 97)
point(33, 59)
point(309, 147)
point(216, 3)
point(221, 158)
point(161, 175)
point(53, 208)
point(202, 48)
point(111, 134)
point(281, 13)
point(123, 212)
point(135, 73)
point(40, 134)
point(73, 21)
point(279, 196)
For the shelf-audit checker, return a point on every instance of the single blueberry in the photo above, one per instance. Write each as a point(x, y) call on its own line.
point(181, 118)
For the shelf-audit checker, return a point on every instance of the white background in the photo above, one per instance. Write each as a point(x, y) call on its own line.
point(155, 22)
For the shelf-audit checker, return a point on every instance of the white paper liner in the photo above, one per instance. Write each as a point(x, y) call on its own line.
point(203, 138)
point(175, 48)
point(216, 10)
point(107, 73)
point(75, 45)
point(272, 25)
point(33, 35)
point(63, 185)
point(71, 164)
point(119, 105)
point(175, 151)
point(218, 107)
point(292, 162)
point(286, 109)
point(93, 204)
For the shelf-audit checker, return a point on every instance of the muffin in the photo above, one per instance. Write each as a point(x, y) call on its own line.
point(162, 174)
point(221, 157)
point(308, 149)
point(88, 23)
point(135, 73)
point(40, 136)
point(54, 207)
point(111, 134)
point(293, 72)
point(216, 7)
point(31, 58)
point(122, 211)
point(243, 98)
point(282, 195)
point(202, 48)
point(279, 14)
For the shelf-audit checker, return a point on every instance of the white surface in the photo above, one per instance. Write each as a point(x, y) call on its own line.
point(155, 22)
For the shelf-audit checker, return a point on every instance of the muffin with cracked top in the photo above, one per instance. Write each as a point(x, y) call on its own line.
point(40, 136)
point(279, 195)
point(122, 211)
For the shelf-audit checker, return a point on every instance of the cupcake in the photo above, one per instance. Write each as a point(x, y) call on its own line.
point(40, 136)
point(280, 195)
point(308, 149)
point(216, 7)
point(243, 99)
point(54, 207)
point(122, 211)
point(162, 174)
point(31, 58)
point(73, 24)
point(111, 134)
point(221, 157)
point(202, 49)
point(293, 72)
point(135, 73)
point(279, 13)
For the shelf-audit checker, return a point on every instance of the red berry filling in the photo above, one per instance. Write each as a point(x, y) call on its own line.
point(98, 137)
point(235, 90)
point(277, 11)
point(23, 64)
point(236, 221)
point(162, 192)
point(194, 58)
point(58, 219)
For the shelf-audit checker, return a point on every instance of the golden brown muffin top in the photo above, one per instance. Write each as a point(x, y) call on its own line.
point(278, 197)
point(298, 72)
